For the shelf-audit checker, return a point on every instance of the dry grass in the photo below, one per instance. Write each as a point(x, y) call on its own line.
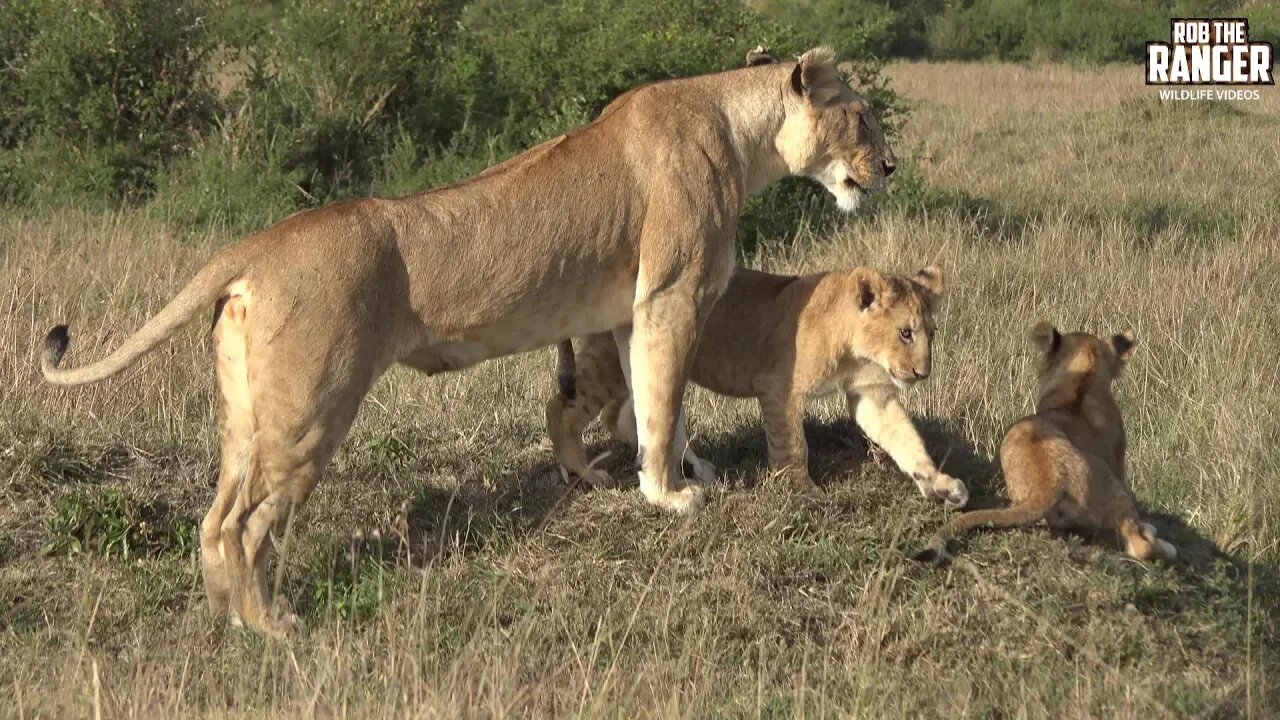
point(491, 589)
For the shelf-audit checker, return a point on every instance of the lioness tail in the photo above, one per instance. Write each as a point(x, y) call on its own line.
point(207, 286)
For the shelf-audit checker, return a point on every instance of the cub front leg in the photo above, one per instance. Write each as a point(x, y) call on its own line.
point(880, 415)
point(788, 451)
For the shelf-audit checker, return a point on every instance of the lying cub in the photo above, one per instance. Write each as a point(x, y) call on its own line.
point(782, 339)
point(1065, 463)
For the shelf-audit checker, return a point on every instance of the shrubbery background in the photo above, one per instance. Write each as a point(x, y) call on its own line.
point(228, 115)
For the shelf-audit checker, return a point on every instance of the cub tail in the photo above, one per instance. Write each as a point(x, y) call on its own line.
point(1020, 515)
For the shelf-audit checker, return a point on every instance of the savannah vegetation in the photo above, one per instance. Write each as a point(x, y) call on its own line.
point(444, 567)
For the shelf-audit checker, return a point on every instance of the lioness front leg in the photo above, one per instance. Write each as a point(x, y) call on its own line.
point(788, 450)
point(662, 338)
point(656, 409)
point(880, 415)
point(621, 422)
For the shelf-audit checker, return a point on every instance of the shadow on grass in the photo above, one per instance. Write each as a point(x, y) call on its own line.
point(350, 577)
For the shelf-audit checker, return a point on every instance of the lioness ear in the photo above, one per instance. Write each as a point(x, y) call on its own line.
point(929, 280)
point(1123, 344)
point(761, 56)
point(817, 79)
point(1045, 337)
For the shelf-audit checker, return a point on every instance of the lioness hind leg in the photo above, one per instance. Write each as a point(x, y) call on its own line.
point(288, 457)
point(621, 421)
point(303, 402)
point(235, 433)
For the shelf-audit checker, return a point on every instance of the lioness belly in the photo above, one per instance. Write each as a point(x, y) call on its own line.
point(541, 322)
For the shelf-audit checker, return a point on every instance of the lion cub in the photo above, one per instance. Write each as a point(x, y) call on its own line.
point(1065, 463)
point(782, 339)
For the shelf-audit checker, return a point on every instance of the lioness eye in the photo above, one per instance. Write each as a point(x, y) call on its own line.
point(906, 335)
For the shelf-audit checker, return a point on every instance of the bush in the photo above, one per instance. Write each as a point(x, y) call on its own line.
point(232, 115)
point(1093, 30)
point(100, 96)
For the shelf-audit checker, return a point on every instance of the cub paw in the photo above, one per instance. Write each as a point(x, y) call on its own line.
point(598, 479)
point(940, 487)
point(700, 471)
point(950, 490)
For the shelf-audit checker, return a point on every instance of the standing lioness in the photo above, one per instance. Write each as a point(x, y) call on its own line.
point(629, 221)
point(782, 339)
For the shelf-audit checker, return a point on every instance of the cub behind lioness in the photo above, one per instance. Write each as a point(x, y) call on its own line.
point(1065, 463)
point(782, 339)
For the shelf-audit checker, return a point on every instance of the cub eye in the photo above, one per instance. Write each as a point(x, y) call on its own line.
point(906, 335)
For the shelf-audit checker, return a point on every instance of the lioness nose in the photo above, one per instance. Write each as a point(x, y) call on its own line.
point(889, 168)
point(920, 374)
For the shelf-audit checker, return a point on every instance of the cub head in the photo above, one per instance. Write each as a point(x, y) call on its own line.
point(830, 134)
point(1079, 357)
point(895, 321)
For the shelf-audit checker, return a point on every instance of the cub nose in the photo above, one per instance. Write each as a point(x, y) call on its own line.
point(889, 168)
point(920, 374)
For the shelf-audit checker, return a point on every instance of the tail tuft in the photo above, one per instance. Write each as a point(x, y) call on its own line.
point(566, 370)
point(55, 346)
point(932, 555)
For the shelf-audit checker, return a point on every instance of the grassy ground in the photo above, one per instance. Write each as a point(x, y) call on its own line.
point(446, 570)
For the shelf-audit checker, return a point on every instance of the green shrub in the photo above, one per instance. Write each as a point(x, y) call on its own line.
point(105, 94)
point(1092, 30)
point(857, 27)
point(105, 522)
point(231, 115)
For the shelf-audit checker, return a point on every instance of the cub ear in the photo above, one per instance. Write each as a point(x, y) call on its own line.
point(817, 79)
point(1123, 344)
point(930, 281)
point(869, 287)
point(1045, 337)
point(762, 55)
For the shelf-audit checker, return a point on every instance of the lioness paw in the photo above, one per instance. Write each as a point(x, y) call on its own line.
point(683, 501)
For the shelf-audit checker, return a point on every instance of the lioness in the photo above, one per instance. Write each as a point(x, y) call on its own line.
point(628, 222)
point(1065, 463)
point(782, 339)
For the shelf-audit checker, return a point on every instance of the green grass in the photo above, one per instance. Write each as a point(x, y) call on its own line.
point(444, 568)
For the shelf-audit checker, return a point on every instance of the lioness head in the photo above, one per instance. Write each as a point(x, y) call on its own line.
point(829, 133)
point(1079, 356)
point(895, 328)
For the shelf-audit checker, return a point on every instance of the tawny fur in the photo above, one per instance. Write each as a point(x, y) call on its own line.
point(781, 340)
point(629, 221)
point(1065, 464)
